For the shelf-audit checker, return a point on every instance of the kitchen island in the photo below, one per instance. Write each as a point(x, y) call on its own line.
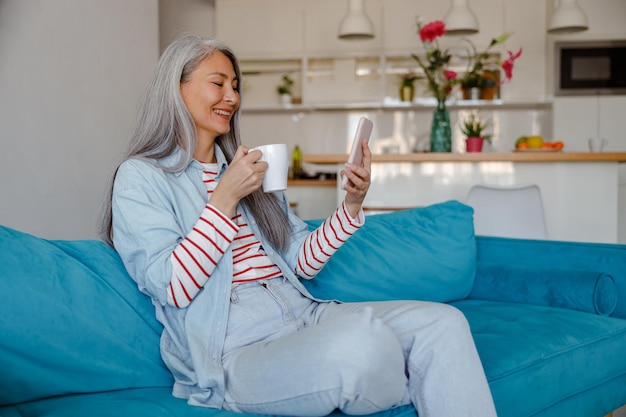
point(583, 193)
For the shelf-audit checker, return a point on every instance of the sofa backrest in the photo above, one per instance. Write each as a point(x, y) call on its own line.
point(425, 253)
point(72, 321)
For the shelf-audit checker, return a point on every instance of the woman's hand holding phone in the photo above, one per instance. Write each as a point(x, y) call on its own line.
point(356, 177)
point(363, 133)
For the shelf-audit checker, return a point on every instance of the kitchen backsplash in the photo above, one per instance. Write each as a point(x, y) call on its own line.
point(395, 131)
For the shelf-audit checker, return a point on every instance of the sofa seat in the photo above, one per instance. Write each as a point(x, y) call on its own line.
point(541, 348)
point(140, 402)
point(520, 345)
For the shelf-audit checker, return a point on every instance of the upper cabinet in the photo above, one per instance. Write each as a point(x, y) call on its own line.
point(399, 20)
point(261, 29)
point(299, 38)
point(322, 19)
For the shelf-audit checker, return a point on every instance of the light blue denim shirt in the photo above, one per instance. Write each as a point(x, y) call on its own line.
point(153, 210)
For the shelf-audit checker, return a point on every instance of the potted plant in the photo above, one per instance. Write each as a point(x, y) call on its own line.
point(473, 129)
point(284, 89)
point(407, 87)
point(489, 85)
point(471, 85)
point(483, 70)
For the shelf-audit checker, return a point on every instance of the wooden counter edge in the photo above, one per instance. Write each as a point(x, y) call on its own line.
point(478, 157)
point(311, 183)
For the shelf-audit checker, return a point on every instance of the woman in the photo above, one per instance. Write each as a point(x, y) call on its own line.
point(222, 260)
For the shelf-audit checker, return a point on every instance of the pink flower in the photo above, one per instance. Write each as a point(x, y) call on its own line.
point(450, 75)
point(507, 65)
point(431, 31)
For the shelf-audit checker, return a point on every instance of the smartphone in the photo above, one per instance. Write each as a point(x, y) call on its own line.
point(363, 131)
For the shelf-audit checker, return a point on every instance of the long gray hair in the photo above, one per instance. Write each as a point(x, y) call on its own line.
point(164, 125)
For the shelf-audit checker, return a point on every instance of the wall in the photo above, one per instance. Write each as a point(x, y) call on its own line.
point(72, 73)
point(578, 118)
point(181, 17)
point(71, 76)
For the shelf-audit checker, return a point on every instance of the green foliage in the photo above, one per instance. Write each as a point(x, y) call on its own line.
point(409, 78)
point(473, 127)
point(285, 87)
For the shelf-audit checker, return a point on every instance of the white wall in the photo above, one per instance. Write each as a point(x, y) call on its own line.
point(181, 17)
point(71, 76)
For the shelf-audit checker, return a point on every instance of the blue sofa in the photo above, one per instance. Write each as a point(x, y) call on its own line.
point(549, 318)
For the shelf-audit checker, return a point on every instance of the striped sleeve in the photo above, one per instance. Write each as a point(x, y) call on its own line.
point(324, 241)
point(196, 256)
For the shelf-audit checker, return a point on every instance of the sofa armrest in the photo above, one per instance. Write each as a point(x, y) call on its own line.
point(573, 266)
point(588, 291)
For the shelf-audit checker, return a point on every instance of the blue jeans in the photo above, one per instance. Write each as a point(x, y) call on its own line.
point(285, 354)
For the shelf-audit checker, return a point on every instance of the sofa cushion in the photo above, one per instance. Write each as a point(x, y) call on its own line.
point(549, 355)
point(589, 291)
point(143, 402)
point(72, 321)
point(422, 254)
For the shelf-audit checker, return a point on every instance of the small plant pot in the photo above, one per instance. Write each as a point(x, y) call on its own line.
point(474, 144)
point(406, 93)
point(488, 93)
point(465, 91)
point(285, 99)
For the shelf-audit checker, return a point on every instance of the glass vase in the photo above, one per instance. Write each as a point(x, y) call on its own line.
point(440, 131)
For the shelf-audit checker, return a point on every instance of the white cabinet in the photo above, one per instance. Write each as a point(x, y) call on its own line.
point(265, 35)
point(322, 19)
point(400, 27)
point(268, 28)
point(399, 23)
point(576, 119)
point(526, 20)
point(314, 201)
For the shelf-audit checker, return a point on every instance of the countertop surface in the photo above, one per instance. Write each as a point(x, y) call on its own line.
point(521, 156)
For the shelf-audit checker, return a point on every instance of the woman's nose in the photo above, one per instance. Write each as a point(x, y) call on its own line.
point(232, 96)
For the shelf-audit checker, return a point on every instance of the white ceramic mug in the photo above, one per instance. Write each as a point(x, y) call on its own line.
point(597, 144)
point(277, 158)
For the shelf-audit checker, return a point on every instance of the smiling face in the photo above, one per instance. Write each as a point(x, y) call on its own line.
point(211, 94)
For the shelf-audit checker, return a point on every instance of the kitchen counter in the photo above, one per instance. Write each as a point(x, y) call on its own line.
point(522, 156)
point(580, 190)
point(305, 182)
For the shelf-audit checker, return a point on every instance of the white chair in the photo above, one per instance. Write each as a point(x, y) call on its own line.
point(514, 211)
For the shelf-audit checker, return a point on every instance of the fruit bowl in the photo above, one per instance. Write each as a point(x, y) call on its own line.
point(538, 150)
point(536, 144)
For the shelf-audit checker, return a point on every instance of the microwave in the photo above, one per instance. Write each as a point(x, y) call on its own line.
point(590, 67)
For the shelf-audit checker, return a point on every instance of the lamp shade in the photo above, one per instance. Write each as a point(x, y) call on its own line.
point(568, 17)
point(460, 19)
point(356, 24)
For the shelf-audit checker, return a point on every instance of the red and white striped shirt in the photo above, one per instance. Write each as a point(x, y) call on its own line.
point(196, 256)
point(250, 263)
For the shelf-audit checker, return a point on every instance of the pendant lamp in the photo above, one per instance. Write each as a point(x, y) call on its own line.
point(568, 17)
point(460, 19)
point(356, 24)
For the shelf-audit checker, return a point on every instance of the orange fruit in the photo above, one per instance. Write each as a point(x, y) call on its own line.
point(520, 140)
point(557, 145)
point(523, 145)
